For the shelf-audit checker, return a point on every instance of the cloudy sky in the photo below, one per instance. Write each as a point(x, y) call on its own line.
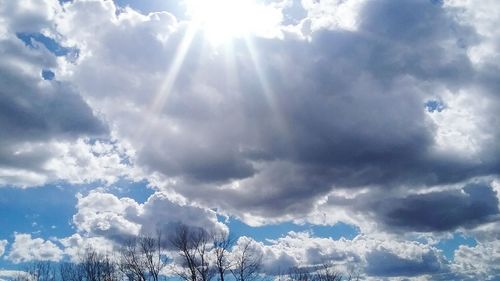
point(361, 132)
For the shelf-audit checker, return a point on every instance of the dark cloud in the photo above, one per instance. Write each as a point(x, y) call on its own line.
point(266, 128)
point(36, 110)
point(440, 211)
point(298, 118)
point(33, 111)
point(387, 264)
point(273, 125)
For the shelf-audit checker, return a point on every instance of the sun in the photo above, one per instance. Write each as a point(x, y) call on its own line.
point(224, 20)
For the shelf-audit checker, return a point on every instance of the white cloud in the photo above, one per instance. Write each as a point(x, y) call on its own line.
point(75, 246)
point(461, 129)
point(3, 244)
point(83, 162)
point(483, 19)
point(76, 162)
point(27, 16)
point(377, 256)
point(119, 218)
point(103, 213)
point(478, 262)
point(7, 275)
point(332, 14)
point(25, 249)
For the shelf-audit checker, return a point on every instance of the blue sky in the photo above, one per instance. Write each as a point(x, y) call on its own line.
point(364, 133)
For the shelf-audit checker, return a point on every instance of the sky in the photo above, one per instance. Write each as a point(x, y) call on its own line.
point(365, 133)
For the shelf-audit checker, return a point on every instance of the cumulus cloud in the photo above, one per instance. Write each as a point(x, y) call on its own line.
point(440, 211)
point(349, 113)
point(41, 118)
point(76, 245)
point(375, 256)
point(382, 113)
point(25, 249)
point(472, 208)
point(333, 14)
point(119, 219)
point(356, 122)
point(9, 274)
point(28, 16)
point(480, 261)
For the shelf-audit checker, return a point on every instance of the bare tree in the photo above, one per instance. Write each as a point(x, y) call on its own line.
point(155, 258)
point(181, 241)
point(246, 263)
point(98, 267)
point(38, 271)
point(300, 274)
point(193, 245)
point(323, 272)
point(71, 271)
point(131, 264)
point(143, 258)
point(221, 246)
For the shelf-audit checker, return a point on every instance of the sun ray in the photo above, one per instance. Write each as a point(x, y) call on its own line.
point(268, 92)
point(159, 100)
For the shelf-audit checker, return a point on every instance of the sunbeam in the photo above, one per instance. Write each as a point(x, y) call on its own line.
point(269, 94)
point(159, 100)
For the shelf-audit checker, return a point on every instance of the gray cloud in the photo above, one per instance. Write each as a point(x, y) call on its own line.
point(440, 211)
point(480, 261)
point(381, 263)
point(35, 114)
point(369, 256)
point(473, 207)
point(270, 128)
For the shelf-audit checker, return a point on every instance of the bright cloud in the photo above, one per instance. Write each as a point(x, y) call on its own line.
point(25, 249)
point(118, 219)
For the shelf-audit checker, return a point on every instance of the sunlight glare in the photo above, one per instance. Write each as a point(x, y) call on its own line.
point(222, 20)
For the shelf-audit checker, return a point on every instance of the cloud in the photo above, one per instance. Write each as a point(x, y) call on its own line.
point(440, 211)
point(104, 214)
point(480, 261)
point(37, 116)
point(9, 274)
point(391, 145)
point(25, 249)
point(374, 256)
point(28, 16)
point(3, 245)
point(482, 18)
point(332, 14)
point(329, 123)
point(118, 219)
point(283, 128)
point(381, 263)
point(76, 245)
